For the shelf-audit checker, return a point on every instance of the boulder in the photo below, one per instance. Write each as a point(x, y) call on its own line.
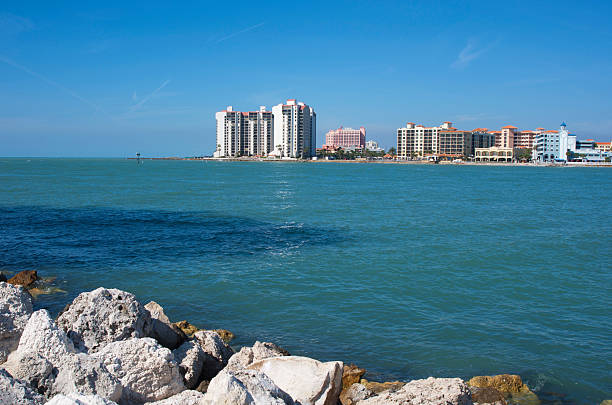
point(187, 328)
point(32, 368)
point(146, 370)
point(306, 380)
point(15, 392)
point(203, 386)
point(245, 387)
point(507, 384)
point(164, 331)
point(431, 391)
point(351, 374)
point(42, 336)
point(378, 387)
point(15, 310)
point(355, 393)
point(249, 355)
point(184, 398)
point(24, 278)
point(87, 375)
point(75, 398)
point(97, 318)
point(2, 278)
point(225, 334)
point(217, 353)
point(487, 395)
point(190, 358)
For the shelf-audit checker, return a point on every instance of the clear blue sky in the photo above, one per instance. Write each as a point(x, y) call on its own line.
point(120, 77)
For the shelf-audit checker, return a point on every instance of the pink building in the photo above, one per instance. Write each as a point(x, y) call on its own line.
point(345, 138)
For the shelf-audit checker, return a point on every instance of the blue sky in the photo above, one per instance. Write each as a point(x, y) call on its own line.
point(118, 78)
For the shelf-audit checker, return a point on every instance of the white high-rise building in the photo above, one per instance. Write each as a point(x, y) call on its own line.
point(551, 145)
point(244, 133)
point(295, 127)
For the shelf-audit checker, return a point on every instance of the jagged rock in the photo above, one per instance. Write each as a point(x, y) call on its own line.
point(75, 398)
point(431, 391)
point(245, 387)
point(164, 331)
point(187, 328)
point(487, 395)
point(351, 374)
point(146, 370)
point(15, 310)
point(2, 278)
point(97, 318)
point(249, 355)
point(32, 368)
point(355, 393)
point(24, 278)
point(378, 387)
point(41, 335)
point(306, 380)
point(188, 397)
point(217, 353)
point(87, 375)
point(190, 358)
point(15, 392)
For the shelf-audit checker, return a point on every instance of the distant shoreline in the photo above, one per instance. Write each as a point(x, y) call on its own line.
point(399, 162)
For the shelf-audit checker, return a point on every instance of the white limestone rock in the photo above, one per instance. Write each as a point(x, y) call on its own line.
point(33, 369)
point(41, 335)
point(147, 371)
point(355, 393)
point(15, 392)
point(75, 398)
point(166, 333)
point(306, 380)
point(217, 352)
point(15, 310)
point(99, 317)
point(87, 375)
point(244, 387)
point(430, 391)
point(249, 355)
point(190, 358)
point(188, 397)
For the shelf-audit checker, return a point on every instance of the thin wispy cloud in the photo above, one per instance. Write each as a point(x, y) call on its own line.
point(147, 98)
point(251, 28)
point(470, 53)
point(11, 24)
point(51, 83)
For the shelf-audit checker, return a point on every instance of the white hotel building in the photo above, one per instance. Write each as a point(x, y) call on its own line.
point(553, 145)
point(418, 140)
point(289, 130)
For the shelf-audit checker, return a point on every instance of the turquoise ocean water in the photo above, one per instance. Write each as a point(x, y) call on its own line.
point(406, 270)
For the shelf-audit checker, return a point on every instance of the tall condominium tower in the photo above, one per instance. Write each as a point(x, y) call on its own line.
point(244, 133)
point(295, 126)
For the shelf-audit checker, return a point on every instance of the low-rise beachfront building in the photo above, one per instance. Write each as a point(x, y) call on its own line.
point(417, 140)
point(586, 144)
point(372, 146)
point(494, 154)
point(604, 146)
point(346, 138)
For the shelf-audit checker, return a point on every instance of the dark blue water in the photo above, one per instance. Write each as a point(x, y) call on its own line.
point(406, 270)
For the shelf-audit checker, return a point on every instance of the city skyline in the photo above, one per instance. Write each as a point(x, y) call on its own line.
point(81, 80)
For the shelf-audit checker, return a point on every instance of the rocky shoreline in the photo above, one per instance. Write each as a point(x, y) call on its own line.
point(107, 348)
